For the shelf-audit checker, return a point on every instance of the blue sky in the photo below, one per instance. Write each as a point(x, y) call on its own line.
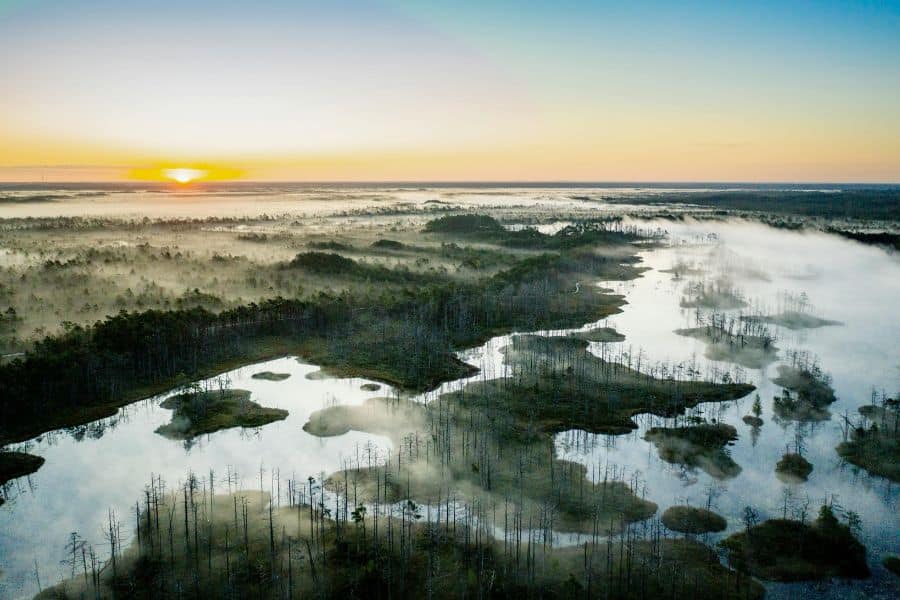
point(462, 90)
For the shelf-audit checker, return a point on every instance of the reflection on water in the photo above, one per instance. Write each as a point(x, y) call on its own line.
point(108, 463)
point(850, 283)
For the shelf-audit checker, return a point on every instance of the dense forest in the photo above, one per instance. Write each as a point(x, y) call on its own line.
point(874, 203)
point(515, 482)
point(406, 339)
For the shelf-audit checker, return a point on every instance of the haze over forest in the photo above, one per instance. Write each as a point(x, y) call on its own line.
point(397, 299)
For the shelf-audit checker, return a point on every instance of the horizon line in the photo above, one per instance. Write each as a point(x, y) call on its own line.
point(450, 182)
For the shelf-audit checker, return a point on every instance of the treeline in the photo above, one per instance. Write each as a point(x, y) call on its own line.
point(879, 204)
point(335, 265)
point(596, 231)
point(881, 238)
point(120, 224)
point(190, 542)
point(404, 338)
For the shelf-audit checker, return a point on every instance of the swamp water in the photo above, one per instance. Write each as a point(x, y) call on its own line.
point(107, 464)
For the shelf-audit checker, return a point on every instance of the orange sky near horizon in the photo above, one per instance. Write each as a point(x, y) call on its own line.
point(396, 90)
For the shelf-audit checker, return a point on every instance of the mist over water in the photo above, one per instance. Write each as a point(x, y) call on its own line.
point(107, 464)
point(846, 282)
point(137, 201)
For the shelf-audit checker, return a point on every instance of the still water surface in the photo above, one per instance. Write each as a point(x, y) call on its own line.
point(108, 463)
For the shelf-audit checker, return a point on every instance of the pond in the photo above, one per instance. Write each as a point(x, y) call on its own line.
point(107, 464)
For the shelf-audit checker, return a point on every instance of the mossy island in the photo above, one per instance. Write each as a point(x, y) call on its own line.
point(603, 335)
point(697, 446)
point(793, 468)
point(198, 413)
point(245, 547)
point(749, 351)
point(754, 420)
point(791, 319)
point(270, 376)
point(716, 295)
point(385, 244)
point(560, 385)
point(491, 476)
point(370, 387)
point(554, 384)
point(874, 443)
point(464, 224)
point(807, 393)
point(18, 464)
point(788, 550)
point(319, 374)
point(692, 520)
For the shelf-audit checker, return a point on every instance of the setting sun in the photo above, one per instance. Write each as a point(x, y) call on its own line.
point(623, 270)
point(183, 175)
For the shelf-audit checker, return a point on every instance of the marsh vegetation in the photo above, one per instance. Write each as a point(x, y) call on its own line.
point(195, 542)
point(401, 336)
point(874, 442)
point(742, 342)
point(807, 392)
point(702, 446)
point(693, 520)
point(475, 443)
point(792, 467)
point(791, 550)
point(201, 412)
point(518, 429)
point(270, 376)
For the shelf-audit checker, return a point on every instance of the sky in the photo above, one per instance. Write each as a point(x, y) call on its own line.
point(393, 90)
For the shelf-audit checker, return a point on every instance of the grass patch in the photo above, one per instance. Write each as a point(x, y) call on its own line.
point(198, 413)
point(688, 519)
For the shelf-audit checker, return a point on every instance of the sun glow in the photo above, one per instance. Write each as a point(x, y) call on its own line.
point(184, 175)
